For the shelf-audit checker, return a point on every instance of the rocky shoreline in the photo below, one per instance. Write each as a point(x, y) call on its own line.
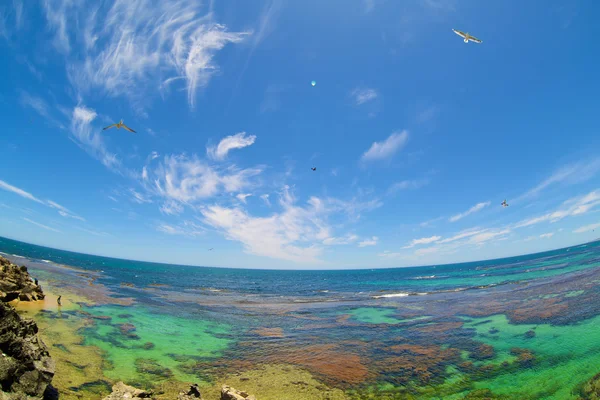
point(26, 367)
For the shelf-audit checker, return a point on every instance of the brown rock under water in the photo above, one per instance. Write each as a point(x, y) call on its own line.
point(122, 391)
point(229, 393)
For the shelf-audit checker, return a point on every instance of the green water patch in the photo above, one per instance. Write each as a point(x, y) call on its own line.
point(563, 357)
point(143, 347)
point(375, 315)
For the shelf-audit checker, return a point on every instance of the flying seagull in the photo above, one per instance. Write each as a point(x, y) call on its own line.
point(467, 37)
point(314, 168)
point(119, 126)
point(504, 203)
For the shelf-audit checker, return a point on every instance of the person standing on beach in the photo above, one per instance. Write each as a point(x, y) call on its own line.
point(58, 300)
point(36, 282)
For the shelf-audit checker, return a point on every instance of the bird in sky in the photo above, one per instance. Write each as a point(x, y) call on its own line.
point(314, 168)
point(466, 37)
point(504, 203)
point(119, 126)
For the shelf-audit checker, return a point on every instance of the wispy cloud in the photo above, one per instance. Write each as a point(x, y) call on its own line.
point(181, 180)
point(426, 240)
point(237, 141)
point(587, 228)
point(369, 242)
point(387, 148)
point(37, 103)
point(20, 192)
point(574, 206)
point(363, 95)
point(63, 211)
point(131, 47)
point(369, 5)
point(265, 198)
point(476, 208)
point(90, 139)
point(547, 235)
point(42, 226)
point(187, 228)
point(92, 232)
point(408, 184)
point(242, 196)
point(331, 241)
point(462, 235)
point(569, 174)
point(138, 197)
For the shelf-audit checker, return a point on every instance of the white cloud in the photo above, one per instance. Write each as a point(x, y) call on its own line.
point(408, 184)
point(463, 234)
point(265, 198)
point(369, 5)
point(547, 235)
point(369, 242)
point(387, 148)
point(91, 232)
point(574, 206)
point(138, 197)
point(171, 208)
point(187, 228)
point(297, 233)
point(587, 228)
point(237, 141)
point(130, 45)
point(427, 250)
point(362, 96)
point(90, 139)
point(426, 240)
point(113, 199)
point(569, 174)
point(41, 225)
point(488, 235)
point(20, 192)
point(188, 180)
point(63, 211)
point(37, 103)
point(476, 208)
point(242, 197)
point(330, 241)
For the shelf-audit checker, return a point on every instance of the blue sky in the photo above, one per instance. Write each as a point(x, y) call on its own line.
point(417, 137)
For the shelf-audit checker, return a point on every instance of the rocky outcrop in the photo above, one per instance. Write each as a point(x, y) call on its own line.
point(122, 391)
point(229, 393)
point(26, 368)
point(192, 394)
point(15, 283)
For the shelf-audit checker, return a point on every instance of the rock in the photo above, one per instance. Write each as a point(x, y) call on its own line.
point(529, 334)
point(591, 389)
point(229, 393)
point(193, 393)
point(122, 391)
point(26, 369)
point(15, 283)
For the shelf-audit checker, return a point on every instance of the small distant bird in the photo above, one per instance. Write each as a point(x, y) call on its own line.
point(466, 37)
point(211, 249)
point(314, 168)
point(504, 203)
point(119, 126)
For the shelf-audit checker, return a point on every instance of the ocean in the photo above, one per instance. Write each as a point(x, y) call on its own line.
point(524, 327)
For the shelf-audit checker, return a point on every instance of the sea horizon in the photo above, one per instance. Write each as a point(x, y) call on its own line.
point(467, 263)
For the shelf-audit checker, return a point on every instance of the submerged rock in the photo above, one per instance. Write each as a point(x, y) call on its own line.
point(193, 393)
point(123, 391)
point(229, 393)
point(529, 334)
point(15, 283)
point(26, 368)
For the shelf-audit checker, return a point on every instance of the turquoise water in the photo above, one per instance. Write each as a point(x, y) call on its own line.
point(409, 333)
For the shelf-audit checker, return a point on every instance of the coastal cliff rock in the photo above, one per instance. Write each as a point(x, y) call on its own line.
point(122, 391)
point(229, 393)
point(26, 368)
point(15, 283)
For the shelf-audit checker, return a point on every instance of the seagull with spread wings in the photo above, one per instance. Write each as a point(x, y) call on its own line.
point(466, 37)
point(119, 126)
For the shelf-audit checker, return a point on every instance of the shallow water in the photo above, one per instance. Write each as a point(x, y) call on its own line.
point(525, 327)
